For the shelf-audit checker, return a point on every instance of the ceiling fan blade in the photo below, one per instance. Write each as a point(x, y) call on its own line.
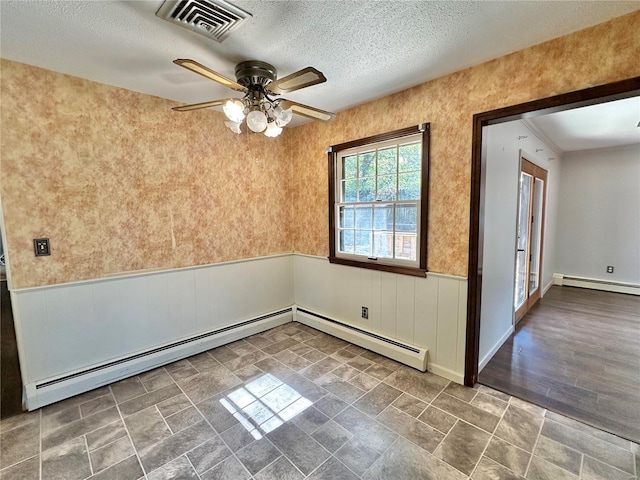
point(307, 111)
point(208, 73)
point(297, 80)
point(196, 106)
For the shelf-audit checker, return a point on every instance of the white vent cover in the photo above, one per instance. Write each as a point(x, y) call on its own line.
point(212, 18)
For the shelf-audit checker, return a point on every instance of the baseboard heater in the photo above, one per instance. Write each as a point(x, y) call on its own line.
point(410, 355)
point(48, 391)
point(596, 284)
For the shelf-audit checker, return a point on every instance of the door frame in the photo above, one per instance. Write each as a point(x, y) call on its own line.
point(535, 172)
point(566, 101)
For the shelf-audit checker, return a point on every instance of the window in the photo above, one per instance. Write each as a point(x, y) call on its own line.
point(378, 189)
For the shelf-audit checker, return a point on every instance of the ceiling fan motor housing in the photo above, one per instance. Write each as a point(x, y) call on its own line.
point(254, 72)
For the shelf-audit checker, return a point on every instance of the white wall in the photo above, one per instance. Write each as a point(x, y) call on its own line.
point(599, 214)
point(502, 170)
point(426, 312)
point(69, 328)
point(65, 328)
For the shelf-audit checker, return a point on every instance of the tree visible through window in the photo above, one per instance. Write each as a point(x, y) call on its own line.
point(378, 200)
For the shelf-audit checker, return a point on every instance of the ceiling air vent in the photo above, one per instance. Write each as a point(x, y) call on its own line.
point(212, 18)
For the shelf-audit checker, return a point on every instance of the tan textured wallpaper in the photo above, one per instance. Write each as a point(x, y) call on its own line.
point(119, 182)
point(602, 54)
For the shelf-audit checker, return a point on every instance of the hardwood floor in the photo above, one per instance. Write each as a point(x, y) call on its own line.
point(10, 380)
point(576, 352)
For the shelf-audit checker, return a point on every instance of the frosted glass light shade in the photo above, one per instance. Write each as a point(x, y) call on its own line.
point(256, 121)
point(234, 127)
point(234, 110)
point(282, 116)
point(273, 130)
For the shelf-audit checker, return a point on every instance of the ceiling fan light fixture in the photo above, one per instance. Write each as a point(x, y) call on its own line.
point(282, 117)
point(273, 129)
point(259, 83)
point(234, 110)
point(257, 121)
point(234, 127)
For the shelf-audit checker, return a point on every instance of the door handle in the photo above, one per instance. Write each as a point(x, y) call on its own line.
point(521, 250)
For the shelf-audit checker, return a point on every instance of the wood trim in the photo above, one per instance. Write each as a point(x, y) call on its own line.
point(539, 173)
point(424, 196)
point(474, 274)
point(416, 272)
point(332, 155)
point(425, 130)
point(403, 132)
point(566, 101)
point(536, 173)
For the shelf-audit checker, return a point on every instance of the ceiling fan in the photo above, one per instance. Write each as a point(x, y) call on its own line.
point(259, 83)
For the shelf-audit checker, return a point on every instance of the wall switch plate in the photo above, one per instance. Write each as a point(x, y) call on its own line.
point(365, 312)
point(41, 247)
point(609, 269)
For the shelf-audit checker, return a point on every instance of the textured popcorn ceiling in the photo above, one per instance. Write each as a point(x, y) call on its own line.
point(366, 49)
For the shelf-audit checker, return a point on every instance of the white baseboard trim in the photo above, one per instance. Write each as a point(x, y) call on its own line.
point(446, 373)
point(483, 362)
point(547, 287)
point(596, 284)
point(45, 392)
point(410, 355)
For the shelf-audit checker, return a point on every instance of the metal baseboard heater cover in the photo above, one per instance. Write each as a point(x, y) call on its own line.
point(410, 355)
point(51, 390)
point(596, 284)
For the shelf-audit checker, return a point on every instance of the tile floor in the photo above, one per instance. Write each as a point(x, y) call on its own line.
point(294, 403)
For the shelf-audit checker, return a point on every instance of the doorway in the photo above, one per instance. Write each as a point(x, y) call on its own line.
point(10, 378)
point(572, 363)
point(590, 96)
point(532, 188)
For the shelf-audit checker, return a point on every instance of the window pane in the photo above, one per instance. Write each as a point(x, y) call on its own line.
point(383, 244)
point(387, 161)
point(363, 243)
point(363, 217)
point(347, 241)
point(406, 218)
point(346, 217)
point(410, 157)
point(367, 164)
point(367, 189)
point(406, 246)
point(349, 191)
point(386, 187)
point(409, 186)
point(350, 166)
point(383, 217)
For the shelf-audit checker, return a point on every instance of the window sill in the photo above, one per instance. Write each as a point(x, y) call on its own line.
point(413, 271)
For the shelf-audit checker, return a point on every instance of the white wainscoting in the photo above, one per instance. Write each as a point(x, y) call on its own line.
point(68, 328)
point(426, 312)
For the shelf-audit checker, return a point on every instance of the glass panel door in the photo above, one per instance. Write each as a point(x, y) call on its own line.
point(530, 231)
point(536, 231)
point(522, 245)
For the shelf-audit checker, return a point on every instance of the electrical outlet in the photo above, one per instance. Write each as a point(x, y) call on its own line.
point(41, 247)
point(609, 269)
point(365, 312)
